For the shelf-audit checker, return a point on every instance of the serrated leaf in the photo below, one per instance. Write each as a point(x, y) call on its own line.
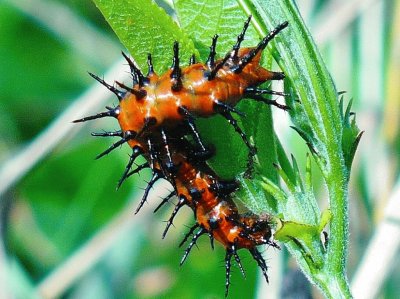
point(201, 20)
point(143, 28)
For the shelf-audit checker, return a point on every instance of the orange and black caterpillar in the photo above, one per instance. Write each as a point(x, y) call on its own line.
point(180, 95)
point(156, 117)
point(197, 186)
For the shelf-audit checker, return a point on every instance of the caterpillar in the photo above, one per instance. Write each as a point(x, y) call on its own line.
point(178, 96)
point(196, 185)
point(156, 118)
point(211, 199)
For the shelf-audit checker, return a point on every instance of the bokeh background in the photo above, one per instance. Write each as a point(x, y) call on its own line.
point(65, 231)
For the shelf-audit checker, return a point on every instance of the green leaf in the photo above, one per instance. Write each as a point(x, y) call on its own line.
point(306, 239)
point(143, 28)
point(201, 20)
point(351, 133)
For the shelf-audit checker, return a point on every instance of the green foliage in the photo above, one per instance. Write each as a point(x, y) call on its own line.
point(351, 134)
point(316, 115)
point(315, 112)
point(68, 197)
point(143, 28)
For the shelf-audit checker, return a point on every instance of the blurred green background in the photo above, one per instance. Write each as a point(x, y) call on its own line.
point(67, 233)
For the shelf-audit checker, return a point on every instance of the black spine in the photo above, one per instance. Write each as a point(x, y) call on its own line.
point(176, 74)
point(182, 201)
point(192, 59)
point(154, 179)
point(112, 112)
point(245, 60)
point(150, 65)
point(140, 94)
point(240, 38)
point(196, 236)
point(211, 57)
point(127, 136)
point(138, 77)
point(136, 151)
point(120, 94)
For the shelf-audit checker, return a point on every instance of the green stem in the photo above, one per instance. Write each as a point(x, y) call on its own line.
point(319, 119)
point(336, 256)
point(333, 287)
